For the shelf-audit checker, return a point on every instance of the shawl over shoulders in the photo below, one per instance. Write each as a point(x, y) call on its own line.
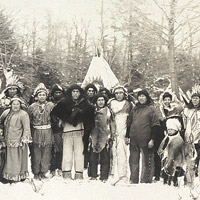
point(73, 113)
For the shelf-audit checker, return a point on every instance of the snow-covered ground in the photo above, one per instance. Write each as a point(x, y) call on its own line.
point(57, 188)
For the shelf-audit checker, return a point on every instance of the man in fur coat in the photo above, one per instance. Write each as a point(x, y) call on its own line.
point(77, 117)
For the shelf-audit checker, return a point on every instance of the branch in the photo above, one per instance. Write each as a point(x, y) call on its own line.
point(165, 13)
point(191, 33)
point(185, 22)
point(184, 7)
point(12, 55)
point(151, 22)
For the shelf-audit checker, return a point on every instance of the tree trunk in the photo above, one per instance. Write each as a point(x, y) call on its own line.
point(172, 67)
point(102, 25)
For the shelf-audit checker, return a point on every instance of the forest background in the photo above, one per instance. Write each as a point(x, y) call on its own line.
point(147, 43)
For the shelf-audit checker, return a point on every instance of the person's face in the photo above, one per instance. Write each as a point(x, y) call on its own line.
point(12, 92)
point(75, 94)
point(167, 101)
point(42, 96)
point(58, 95)
point(142, 99)
point(195, 101)
point(90, 92)
point(15, 105)
point(171, 131)
point(119, 94)
point(21, 86)
point(103, 92)
point(101, 102)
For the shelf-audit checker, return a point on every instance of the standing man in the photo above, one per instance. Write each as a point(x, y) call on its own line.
point(100, 136)
point(120, 108)
point(144, 125)
point(41, 132)
point(191, 118)
point(57, 94)
point(12, 90)
point(77, 117)
point(91, 91)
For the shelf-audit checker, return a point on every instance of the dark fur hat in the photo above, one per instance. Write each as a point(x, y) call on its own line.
point(73, 87)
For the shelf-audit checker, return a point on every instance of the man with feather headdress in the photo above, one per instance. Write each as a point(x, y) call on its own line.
point(12, 90)
point(191, 118)
point(41, 132)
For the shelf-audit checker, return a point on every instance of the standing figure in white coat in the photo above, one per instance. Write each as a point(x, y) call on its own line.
point(120, 108)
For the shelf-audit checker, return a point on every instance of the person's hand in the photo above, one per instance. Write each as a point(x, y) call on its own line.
point(1, 132)
point(150, 144)
point(127, 140)
point(110, 143)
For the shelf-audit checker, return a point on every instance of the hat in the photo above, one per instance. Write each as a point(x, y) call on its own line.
point(74, 87)
point(55, 88)
point(174, 124)
point(167, 94)
point(144, 92)
point(195, 90)
point(16, 99)
point(119, 87)
point(11, 85)
point(40, 88)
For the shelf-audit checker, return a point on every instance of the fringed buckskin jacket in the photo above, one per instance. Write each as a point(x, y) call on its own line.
point(41, 123)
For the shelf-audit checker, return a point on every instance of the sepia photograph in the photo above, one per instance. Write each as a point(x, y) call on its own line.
point(100, 99)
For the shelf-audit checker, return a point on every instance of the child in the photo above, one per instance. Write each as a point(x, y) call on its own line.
point(173, 135)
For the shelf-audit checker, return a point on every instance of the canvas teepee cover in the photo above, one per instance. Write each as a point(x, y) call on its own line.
point(99, 72)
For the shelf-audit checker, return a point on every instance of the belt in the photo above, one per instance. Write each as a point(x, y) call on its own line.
point(42, 127)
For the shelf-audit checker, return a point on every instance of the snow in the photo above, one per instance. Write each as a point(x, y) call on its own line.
point(57, 188)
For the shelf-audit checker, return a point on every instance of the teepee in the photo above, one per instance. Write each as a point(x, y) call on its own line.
point(100, 73)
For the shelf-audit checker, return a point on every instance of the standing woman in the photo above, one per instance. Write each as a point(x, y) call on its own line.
point(41, 132)
point(16, 126)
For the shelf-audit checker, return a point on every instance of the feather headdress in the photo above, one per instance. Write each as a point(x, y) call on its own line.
point(195, 90)
point(40, 88)
point(12, 81)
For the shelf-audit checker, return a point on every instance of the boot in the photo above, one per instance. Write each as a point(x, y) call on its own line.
point(37, 176)
point(53, 173)
point(67, 175)
point(78, 175)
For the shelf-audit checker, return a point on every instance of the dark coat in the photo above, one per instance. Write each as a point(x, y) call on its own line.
point(75, 112)
point(142, 120)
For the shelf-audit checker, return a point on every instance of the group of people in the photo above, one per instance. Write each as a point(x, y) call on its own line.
point(81, 128)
